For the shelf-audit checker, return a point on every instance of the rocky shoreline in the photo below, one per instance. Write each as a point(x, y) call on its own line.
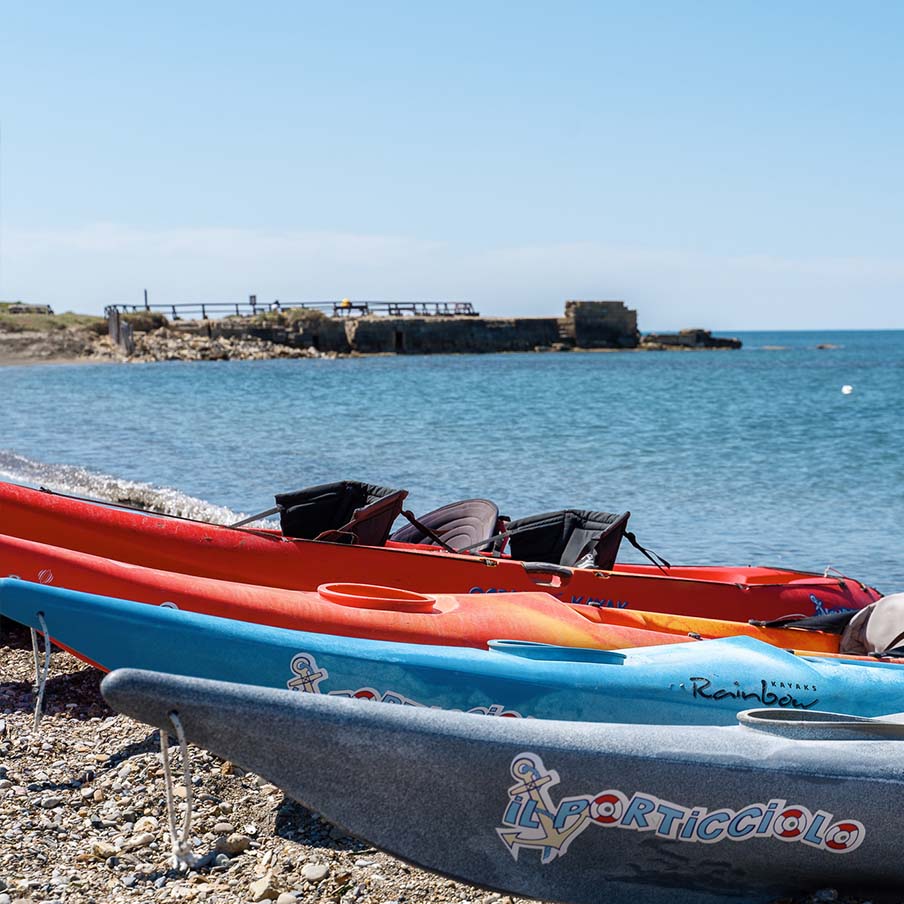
point(80, 345)
point(86, 346)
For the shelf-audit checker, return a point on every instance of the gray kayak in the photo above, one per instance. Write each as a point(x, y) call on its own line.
point(780, 804)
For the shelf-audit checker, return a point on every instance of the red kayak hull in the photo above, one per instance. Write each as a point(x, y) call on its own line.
point(382, 613)
point(268, 559)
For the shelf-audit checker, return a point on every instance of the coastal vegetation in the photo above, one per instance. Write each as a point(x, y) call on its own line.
point(33, 322)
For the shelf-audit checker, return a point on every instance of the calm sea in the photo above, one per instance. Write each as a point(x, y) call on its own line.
point(722, 457)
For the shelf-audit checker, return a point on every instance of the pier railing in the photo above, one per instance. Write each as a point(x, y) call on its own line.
point(121, 331)
point(344, 308)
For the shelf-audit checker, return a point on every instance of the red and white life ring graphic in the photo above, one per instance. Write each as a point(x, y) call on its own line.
point(843, 836)
point(790, 824)
point(608, 808)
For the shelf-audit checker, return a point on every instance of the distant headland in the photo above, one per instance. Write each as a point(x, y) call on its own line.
point(250, 330)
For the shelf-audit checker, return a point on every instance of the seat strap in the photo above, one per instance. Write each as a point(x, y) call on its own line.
point(654, 557)
point(435, 537)
point(502, 535)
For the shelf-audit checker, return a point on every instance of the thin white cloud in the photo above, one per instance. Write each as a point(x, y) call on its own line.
point(88, 267)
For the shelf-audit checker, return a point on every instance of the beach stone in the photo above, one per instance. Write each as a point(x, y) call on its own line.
point(233, 844)
point(315, 872)
point(224, 828)
point(142, 839)
point(48, 803)
point(103, 850)
point(146, 824)
point(287, 897)
point(263, 889)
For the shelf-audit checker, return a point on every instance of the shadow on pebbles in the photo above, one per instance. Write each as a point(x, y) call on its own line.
point(83, 814)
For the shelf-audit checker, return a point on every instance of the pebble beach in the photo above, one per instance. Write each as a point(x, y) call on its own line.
point(83, 814)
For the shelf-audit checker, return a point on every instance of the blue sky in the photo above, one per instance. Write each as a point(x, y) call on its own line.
point(733, 165)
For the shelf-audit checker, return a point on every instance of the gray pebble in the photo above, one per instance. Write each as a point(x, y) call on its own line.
point(233, 844)
point(315, 872)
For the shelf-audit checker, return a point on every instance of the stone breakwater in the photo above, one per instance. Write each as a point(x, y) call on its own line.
point(147, 336)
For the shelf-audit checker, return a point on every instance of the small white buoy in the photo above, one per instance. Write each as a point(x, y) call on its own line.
point(847, 389)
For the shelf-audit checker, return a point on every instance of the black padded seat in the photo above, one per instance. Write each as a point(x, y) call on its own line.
point(572, 537)
point(347, 511)
point(459, 524)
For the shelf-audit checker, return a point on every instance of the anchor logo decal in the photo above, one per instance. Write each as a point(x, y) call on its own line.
point(308, 674)
point(531, 819)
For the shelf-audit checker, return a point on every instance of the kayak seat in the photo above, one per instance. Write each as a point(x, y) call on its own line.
point(346, 511)
point(572, 537)
point(459, 524)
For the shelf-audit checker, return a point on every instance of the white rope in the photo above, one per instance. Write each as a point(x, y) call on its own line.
point(183, 857)
point(40, 673)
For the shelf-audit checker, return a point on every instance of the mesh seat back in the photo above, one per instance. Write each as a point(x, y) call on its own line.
point(459, 524)
point(346, 511)
point(569, 537)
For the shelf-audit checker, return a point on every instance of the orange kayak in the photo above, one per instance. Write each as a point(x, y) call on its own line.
point(382, 613)
point(267, 558)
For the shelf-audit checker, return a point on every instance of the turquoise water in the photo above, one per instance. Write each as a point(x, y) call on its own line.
point(722, 457)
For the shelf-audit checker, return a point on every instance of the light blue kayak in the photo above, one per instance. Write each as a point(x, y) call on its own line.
point(700, 682)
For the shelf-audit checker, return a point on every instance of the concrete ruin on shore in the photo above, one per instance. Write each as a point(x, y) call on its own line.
point(356, 329)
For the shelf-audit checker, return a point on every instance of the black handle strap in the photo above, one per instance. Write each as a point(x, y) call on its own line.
point(831, 622)
point(563, 571)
